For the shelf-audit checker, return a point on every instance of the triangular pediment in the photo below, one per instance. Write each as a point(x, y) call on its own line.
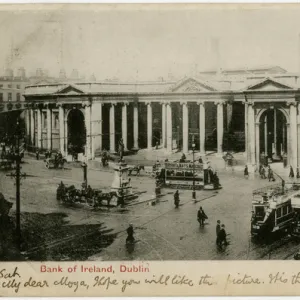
point(69, 90)
point(269, 84)
point(192, 85)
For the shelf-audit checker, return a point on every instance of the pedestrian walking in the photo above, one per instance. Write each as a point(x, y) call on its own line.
point(176, 199)
point(246, 172)
point(218, 228)
point(222, 237)
point(263, 173)
point(37, 154)
point(271, 174)
point(200, 160)
point(201, 216)
point(130, 233)
point(291, 175)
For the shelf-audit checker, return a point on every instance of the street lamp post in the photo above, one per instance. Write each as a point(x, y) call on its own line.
point(18, 175)
point(193, 148)
point(84, 167)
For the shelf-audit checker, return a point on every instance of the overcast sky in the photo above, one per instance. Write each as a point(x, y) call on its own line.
point(149, 43)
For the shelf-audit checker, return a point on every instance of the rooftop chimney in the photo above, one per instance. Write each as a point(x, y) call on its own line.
point(62, 74)
point(93, 78)
point(9, 73)
point(39, 72)
point(21, 73)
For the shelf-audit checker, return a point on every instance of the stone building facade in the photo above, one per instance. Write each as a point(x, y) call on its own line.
point(253, 112)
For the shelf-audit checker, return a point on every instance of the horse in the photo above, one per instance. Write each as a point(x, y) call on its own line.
point(136, 169)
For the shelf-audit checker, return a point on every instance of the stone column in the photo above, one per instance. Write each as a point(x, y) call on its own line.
point(87, 119)
point(49, 128)
point(61, 129)
point(39, 128)
point(266, 135)
point(32, 139)
point(293, 134)
point(124, 125)
point(288, 148)
point(27, 116)
point(275, 134)
point(135, 127)
point(163, 125)
point(251, 133)
point(257, 144)
point(169, 127)
point(202, 127)
point(185, 127)
point(96, 111)
point(149, 125)
point(220, 126)
point(112, 138)
point(283, 138)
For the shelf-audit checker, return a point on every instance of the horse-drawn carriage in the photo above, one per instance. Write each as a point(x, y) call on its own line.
point(86, 195)
point(56, 161)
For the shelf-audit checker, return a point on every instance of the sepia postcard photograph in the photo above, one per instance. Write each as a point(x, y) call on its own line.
point(142, 137)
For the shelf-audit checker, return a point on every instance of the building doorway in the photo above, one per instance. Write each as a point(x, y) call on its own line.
point(273, 134)
point(76, 132)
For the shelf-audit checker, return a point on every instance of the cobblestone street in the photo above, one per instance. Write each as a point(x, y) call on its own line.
point(163, 232)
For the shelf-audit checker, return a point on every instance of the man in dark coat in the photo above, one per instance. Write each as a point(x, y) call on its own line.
point(222, 236)
point(218, 228)
point(176, 199)
point(201, 216)
point(130, 232)
point(291, 175)
point(246, 172)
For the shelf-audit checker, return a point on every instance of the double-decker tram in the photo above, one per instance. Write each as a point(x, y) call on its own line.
point(272, 208)
point(185, 175)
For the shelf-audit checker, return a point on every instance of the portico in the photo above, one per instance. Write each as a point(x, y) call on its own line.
point(268, 123)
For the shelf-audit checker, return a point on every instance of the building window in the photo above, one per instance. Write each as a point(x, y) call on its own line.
point(9, 96)
point(18, 96)
point(18, 86)
point(1, 97)
point(9, 86)
point(1, 86)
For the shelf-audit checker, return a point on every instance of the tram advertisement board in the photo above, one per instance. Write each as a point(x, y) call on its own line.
point(184, 166)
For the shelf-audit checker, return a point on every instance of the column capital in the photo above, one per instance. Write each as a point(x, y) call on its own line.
point(184, 102)
point(291, 102)
point(148, 103)
point(220, 102)
point(167, 102)
point(250, 103)
point(125, 103)
point(59, 104)
point(85, 104)
point(113, 103)
point(201, 103)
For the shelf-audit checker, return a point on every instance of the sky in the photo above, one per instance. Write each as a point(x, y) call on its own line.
point(145, 43)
